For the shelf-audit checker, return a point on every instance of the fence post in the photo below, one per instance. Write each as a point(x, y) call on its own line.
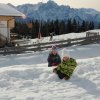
point(69, 42)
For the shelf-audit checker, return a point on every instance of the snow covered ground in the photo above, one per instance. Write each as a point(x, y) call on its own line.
point(65, 36)
point(27, 77)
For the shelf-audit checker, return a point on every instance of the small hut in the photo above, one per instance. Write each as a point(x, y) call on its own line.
point(7, 21)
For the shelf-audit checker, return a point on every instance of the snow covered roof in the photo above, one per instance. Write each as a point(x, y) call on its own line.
point(6, 10)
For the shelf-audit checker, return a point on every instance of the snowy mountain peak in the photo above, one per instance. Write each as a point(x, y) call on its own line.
point(52, 11)
point(50, 2)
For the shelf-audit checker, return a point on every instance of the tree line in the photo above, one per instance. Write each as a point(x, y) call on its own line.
point(32, 28)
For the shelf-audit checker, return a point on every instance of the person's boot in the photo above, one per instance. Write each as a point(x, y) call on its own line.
point(66, 77)
point(55, 70)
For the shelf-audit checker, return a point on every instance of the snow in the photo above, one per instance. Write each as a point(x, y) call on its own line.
point(64, 37)
point(6, 10)
point(27, 77)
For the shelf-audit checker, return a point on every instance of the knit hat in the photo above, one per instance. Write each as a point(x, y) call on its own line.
point(65, 53)
point(54, 48)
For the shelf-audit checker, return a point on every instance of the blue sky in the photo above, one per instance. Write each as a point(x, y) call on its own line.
point(72, 3)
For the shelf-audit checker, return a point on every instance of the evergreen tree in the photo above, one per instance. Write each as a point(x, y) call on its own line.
point(69, 26)
point(87, 23)
point(74, 26)
point(62, 27)
point(78, 27)
point(35, 29)
point(82, 28)
point(51, 27)
point(56, 27)
point(91, 26)
point(99, 26)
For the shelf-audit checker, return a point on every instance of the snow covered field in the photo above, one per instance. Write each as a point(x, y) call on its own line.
point(65, 36)
point(27, 77)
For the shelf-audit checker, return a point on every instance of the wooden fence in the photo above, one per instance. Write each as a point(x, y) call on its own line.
point(44, 46)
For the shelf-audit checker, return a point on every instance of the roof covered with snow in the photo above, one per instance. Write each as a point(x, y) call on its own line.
point(6, 10)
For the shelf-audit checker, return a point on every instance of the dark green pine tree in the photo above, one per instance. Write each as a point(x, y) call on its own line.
point(45, 29)
point(74, 26)
point(87, 23)
point(36, 29)
point(51, 26)
point(22, 29)
point(83, 28)
point(56, 27)
point(69, 26)
point(98, 26)
point(62, 27)
point(26, 30)
point(91, 26)
point(78, 27)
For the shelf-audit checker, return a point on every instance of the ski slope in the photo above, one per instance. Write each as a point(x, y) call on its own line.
point(27, 77)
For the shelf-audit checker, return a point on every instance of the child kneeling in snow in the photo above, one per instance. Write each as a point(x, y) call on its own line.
point(53, 58)
point(66, 68)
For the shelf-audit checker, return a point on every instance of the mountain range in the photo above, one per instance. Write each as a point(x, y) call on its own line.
point(53, 11)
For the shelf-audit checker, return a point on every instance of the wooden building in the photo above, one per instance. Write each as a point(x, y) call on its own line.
point(7, 21)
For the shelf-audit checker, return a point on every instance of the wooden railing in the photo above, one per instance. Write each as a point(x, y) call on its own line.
point(44, 46)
